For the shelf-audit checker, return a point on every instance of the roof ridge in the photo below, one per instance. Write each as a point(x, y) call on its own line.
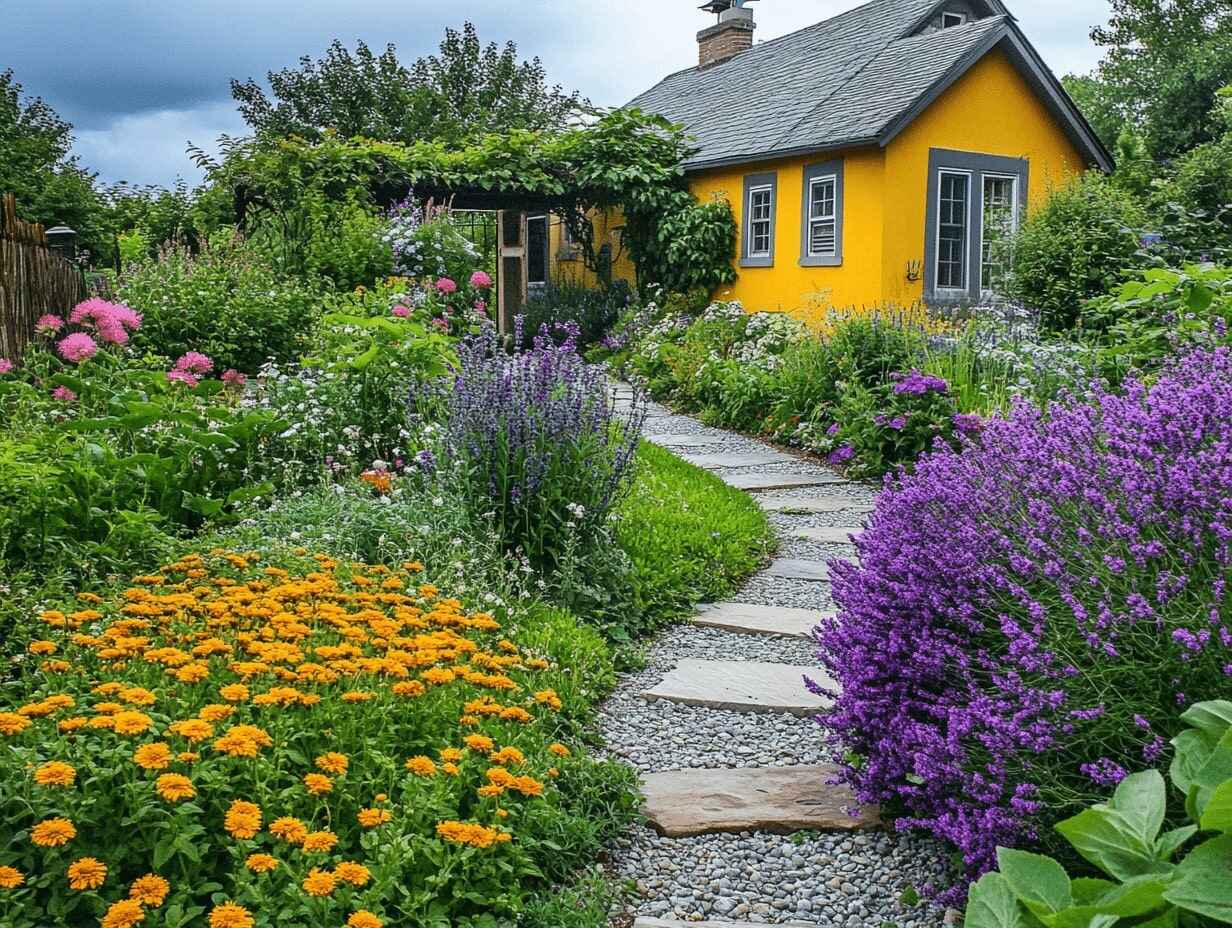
point(842, 84)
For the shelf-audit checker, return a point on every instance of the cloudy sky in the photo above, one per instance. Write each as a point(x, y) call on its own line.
point(141, 78)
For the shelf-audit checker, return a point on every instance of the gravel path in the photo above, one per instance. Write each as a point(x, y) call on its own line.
point(849, 879)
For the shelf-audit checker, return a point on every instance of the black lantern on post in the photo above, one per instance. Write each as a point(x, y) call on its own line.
point(64, 240)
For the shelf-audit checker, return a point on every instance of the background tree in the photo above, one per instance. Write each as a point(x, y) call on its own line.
point(465, 89)
point(36, 164)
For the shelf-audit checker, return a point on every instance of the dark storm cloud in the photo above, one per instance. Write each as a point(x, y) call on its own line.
point(138, 78)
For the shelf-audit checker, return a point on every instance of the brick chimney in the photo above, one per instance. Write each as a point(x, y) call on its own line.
point(732, 34)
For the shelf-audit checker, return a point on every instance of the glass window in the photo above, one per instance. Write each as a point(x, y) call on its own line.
point(1000, 222)
point(759, 228)
point(953, 218)
point(537, 250)
point(952, 19)
point(822, 237)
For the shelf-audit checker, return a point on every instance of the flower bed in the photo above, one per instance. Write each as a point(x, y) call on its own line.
point(1030, 614)
point(301, 742)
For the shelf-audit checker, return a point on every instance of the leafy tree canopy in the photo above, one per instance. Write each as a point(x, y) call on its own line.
point(465, 89)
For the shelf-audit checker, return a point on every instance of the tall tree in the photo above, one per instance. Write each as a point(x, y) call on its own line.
point(37, 165)
point(465, 88)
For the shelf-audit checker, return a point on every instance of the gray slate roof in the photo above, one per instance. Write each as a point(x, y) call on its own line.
point(844, 81)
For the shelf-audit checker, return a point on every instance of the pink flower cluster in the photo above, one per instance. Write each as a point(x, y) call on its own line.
point(481, 280)
point(6, 366)
point(446, 285)
point(49, 324)
point(113, 322)
point(190, 367)
point(63, 394)
point(77, 347)
point(233, 378)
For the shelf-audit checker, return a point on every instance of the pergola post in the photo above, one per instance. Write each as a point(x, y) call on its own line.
point(512, 282)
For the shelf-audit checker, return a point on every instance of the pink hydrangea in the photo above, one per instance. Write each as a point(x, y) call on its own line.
point(175, 375)
point(446, 285)
point(112, 321)
point(64, 395)
point(194, 362)
point(77, 347)
point(6, 366)
point(481, 280)
point(49, 324)
point(401, 312)
point(233, 378)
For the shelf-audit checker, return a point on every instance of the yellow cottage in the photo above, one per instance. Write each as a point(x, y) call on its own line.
point(885, 154)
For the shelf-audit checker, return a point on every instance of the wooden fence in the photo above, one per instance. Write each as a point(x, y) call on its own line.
point(34, 280)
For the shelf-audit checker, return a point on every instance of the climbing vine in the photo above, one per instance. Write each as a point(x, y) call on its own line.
point(626, 160)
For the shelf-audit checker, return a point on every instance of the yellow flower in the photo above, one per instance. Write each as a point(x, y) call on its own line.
point(421, 766)
point(42, 647)
point(333, 762)
point(371, 818)
point(481, 743)
point(510, 757)
point(154, 756)
point(291, 830)
point(234, 692)
point(548, 698)
point(318, 783)
point(192, 729)
point(471, 833)
point(230, 915)
point(362, 918)
point(131, 722)
point(175, 787)
point(12, 724)
point(72, 724)
point(123, 914)
point(138, 696)
point(215, 712)
point(350, 872)
point(150, 889)
point(86, 873)
point(261, 863)
point(408, 688)
point(243, 819)
point(319, 842)
point(11, 878)
point(55, 773)
point(558, 749)
point(527, 786)
point(319, 882)
point(53, 832)
point(451, 755)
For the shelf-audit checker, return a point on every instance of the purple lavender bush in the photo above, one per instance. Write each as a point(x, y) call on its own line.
point(537, 442)
point(1031, 613)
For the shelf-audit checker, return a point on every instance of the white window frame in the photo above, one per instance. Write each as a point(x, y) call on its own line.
point(966, 250)
point(1014, 206)
point(832, 180)
point(961, 17)
point(768, 189)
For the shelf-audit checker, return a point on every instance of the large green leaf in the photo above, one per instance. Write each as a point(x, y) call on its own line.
point(1119, 837)
point(1039, 882)
point(1191, 749)
point(992, 904)
point(1213, 717)
point(1203, 881)
point(1217, 814)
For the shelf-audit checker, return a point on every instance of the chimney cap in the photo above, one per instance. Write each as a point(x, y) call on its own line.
point(722, 6)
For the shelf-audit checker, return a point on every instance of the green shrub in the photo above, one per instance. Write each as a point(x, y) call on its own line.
point(349, 250)
point(1077, 246)
point(594, 310)
point(226, 302)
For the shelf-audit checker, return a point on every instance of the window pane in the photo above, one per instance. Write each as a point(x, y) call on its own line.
point(1000, 223)
point(952, 215)
point(760, 208)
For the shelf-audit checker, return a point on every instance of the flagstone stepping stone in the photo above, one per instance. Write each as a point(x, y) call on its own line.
point(686, 441)
point(797, 568)
point(811, 504)
point(756, 482)
point(742, 686)
point(739, 460)
point(830, 534)
point(779, 800)
point(755, 619)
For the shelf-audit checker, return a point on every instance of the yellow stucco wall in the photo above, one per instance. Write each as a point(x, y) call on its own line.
point(567, 264)
point(990, 110)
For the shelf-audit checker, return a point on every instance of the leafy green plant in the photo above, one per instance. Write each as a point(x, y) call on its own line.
point(1150, 877)
point(593, 309)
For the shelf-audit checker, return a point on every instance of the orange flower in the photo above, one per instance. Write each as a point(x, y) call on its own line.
point(351, 872)
point(243, 819)
point(421, 766)
point(192, 729)
point(53, 832)
point(130, 722)
point(371, 818)
point(333, 762)
point(138, 696)
point(215, 712)
point(42, 647)
point(527, 786)
point(230, 915)
point(291, 830)
point(234, 692)
point(471, 833)
point(123, 914)
point(362, 918)
point(12, 724)
point(55, 773)
point(319, 882)
point(319, 842)
point(451, 755)
point(11, 878)
point(154, 756)
point(558, 749)
point(318, 783)
point(261, 863)
point(175, 787)
point(481, 743)
point(86, 873)
point(149, 889)
point(510, 757)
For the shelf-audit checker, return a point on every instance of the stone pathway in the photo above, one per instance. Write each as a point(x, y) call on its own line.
point(744, 824)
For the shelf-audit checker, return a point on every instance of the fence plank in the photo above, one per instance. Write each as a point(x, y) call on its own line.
point(34, 280)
